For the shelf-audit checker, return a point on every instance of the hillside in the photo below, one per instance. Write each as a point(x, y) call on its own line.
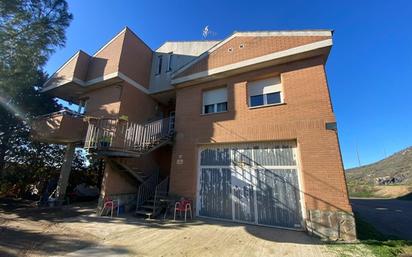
point(394, 171)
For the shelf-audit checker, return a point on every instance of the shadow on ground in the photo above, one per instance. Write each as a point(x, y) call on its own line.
point(17, 242)
point(28, 230)
point(376, 242)
point(265, 233)
point(84, 212)
point(388, 216)
point(28, 210)
point(407, 197)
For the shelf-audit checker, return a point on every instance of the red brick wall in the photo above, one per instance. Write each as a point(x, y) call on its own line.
point(136, 59)
point(107, 60)
point(138, 106)
point(115, 182)
point(252, 47)
point(302, 118)
point(104, 102)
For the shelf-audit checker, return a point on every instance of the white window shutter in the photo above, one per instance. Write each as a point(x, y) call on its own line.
point(215, 96)
point(265, 86)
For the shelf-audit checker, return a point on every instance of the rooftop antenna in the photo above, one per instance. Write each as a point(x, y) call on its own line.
point(207, 32)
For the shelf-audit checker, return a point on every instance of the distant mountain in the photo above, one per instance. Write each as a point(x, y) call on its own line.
point(393, 170)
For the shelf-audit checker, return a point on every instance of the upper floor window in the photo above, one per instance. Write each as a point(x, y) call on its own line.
point(215, 100)
point(159, 64)
point(82, 106)
point(265, 92)
point(169, 64)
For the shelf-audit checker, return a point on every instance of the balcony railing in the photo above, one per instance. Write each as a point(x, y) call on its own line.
point(120, 135)
point(64, 126)
point(65, 112)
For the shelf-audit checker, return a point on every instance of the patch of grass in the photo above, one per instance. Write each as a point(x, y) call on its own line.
point(365, 190)
point(373, 242)
point(349, 250)
point(361, 190)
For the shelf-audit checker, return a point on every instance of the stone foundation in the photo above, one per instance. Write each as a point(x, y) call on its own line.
point(332, 225)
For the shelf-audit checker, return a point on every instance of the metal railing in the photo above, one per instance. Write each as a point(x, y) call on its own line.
point(100, 133)
point(147, 189)
point(162, 189)
point(124, 135)
point(61, 112)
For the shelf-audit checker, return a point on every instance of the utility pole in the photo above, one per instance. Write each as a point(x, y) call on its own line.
point(357, 154)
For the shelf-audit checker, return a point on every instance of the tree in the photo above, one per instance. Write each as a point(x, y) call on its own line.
point(30, 31)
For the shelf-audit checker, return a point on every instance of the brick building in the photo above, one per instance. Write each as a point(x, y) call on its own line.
point(244, 127)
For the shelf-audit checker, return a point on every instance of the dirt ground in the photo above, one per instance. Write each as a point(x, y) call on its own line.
point(29, 231)
point(393, 191)
point(76, 231)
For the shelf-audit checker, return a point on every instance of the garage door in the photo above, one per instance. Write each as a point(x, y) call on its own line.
point(250, 183)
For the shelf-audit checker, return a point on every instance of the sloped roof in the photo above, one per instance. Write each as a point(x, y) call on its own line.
point(124, 57)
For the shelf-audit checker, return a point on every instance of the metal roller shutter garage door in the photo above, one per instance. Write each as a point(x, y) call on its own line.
point(250, 183)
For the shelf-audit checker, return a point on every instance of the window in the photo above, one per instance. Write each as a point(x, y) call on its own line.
point(256, 100)
point(221, 107)
point(169, 64)
point(273, 98)
point(159, 64)
point(265, 92)
point(210, 108)
point(172, 116)
point(82, 106)
point(215, 100)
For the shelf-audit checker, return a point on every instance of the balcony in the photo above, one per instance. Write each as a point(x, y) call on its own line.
point(116, 137)
point(59, 127)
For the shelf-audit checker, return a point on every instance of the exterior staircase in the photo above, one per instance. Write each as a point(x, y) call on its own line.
point(138, 174)
point(121, 138)
point(151, 205)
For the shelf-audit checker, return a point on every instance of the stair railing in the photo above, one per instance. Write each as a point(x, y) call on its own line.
point(100, 133)
point(162, 189)
point(140, 137)
point(128, 136)
point(147, 189)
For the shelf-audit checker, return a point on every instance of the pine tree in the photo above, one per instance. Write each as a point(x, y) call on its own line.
point(30, 31)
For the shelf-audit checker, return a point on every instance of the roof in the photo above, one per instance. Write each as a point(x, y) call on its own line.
point(289, 33)
point(192, 48)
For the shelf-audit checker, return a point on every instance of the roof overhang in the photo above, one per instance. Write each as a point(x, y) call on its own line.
point(165, 97)
point(72, 91)
point(320, 48)
point(75, 88)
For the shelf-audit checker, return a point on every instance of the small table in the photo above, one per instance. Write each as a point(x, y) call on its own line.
point(169, 204)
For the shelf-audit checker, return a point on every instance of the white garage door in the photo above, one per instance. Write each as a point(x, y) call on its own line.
point(250, 183)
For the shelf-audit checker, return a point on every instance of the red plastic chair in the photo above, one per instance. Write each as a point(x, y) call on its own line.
point(110, 204)
point(183, 205)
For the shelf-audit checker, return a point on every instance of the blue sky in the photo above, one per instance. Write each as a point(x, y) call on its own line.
point(369, 68)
